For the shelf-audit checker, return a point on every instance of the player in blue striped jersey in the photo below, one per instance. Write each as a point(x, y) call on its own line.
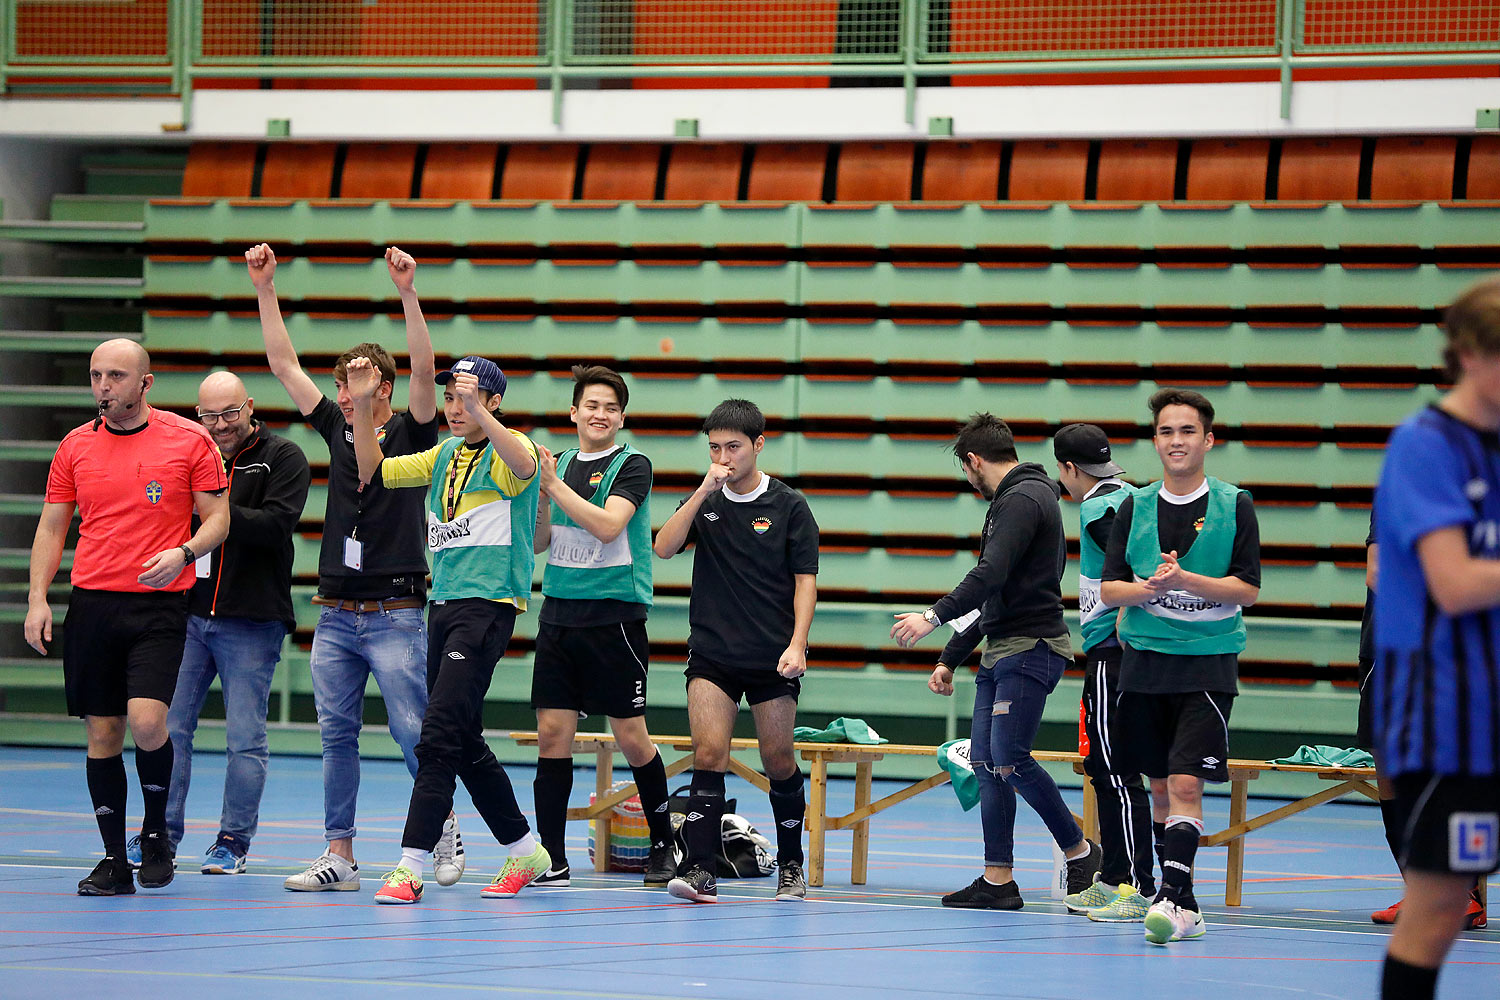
point(1437, 643)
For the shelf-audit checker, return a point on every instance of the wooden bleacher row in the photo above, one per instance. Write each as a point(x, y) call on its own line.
point(632, 343)
point(520, 286)
point(1275, 232)
point(855, 404)
point(1421, 168)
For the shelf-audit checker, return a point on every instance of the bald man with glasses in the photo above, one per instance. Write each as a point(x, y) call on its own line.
point(239, 613)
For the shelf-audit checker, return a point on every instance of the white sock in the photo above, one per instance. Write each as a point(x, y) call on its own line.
point(525, 847)
point(1109, 888)
point(1083, 852)
point(414, 859)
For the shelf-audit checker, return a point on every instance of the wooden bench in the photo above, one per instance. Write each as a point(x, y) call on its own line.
point(818, 755)
point(1360, 780)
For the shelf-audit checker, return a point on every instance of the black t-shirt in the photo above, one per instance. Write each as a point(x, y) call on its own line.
point(748, 551)
point(1177, 528)
point(633, 482)
point(391, 524)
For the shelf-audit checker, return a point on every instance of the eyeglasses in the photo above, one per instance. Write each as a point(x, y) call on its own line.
point(226, 416)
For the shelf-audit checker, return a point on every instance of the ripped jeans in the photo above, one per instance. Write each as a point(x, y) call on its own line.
point(1008, 702)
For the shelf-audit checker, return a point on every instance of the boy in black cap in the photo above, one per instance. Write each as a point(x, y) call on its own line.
point(1124, 885)
point(481, 512)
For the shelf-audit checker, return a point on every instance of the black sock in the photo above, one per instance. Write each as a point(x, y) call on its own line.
point(550, 791)
point(1179, 846)
point(705, 814)
point(1393, 815)
point(1407, 982)
point(106, 777)
point(788, 806)
point(154, 768)
point(651, 782)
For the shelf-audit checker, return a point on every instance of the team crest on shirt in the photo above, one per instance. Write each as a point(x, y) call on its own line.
point(595, 480)
point(153, 491)
point(1198, 525)
point(761, 525)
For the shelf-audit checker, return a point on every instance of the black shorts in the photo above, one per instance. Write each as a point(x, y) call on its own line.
point(1364, 729)
point(1179, 733)
point(755, 684)
point(1453, 824)
point(120, 646)
point(593, 669)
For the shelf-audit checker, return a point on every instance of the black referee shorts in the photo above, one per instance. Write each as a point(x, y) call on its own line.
point(754, 685)
point(594, 669)
point(120, 646)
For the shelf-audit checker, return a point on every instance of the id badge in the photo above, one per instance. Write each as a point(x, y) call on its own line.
point(200, 567)
point(354, 553)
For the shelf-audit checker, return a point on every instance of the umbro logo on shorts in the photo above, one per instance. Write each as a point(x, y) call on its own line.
point(104, 811)
point(694, 816)
point(1210, 762)
point(455, 655)
point(710, 516)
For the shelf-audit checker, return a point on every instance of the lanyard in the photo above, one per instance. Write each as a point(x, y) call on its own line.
point(451, 507)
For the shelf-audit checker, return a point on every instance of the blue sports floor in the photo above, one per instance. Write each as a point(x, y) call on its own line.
point(1305, 932)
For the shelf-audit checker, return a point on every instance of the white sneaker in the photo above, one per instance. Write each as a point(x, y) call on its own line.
point(329, 872)
point(1167, 922)
point(448, 854)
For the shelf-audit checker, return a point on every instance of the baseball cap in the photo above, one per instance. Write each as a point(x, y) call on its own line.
point(1087, 447)
point(491, 378)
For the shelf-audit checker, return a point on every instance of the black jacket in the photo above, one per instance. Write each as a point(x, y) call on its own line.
point(250, 575)
point(1018, 581)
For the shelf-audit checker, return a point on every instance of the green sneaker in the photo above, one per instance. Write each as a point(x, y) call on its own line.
point(1095, 896)
point(1125, 906)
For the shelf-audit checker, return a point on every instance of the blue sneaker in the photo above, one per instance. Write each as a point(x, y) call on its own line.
point(220, 859)
point(133, 851)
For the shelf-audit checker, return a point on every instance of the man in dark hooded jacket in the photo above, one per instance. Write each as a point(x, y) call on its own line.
point(1015, 593)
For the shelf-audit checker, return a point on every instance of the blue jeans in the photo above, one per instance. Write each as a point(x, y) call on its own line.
point(244, 654)
point(348, 647)
point(1008, 702)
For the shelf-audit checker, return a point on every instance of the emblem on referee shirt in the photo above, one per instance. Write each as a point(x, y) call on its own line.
point(761, 525)
point(595, 480)
point(153, 491)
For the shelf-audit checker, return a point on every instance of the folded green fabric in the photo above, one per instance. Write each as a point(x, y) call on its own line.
point(953, 757)
point(1323, 756)
point(840, 730)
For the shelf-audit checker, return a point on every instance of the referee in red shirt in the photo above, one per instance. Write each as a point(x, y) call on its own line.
point(135, 475)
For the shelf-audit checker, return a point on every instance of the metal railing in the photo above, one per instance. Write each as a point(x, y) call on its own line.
point(163, 46)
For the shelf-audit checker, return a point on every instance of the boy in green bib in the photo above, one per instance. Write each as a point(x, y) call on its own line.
point(591, 649)
point(481, 512)
point(1183, 559)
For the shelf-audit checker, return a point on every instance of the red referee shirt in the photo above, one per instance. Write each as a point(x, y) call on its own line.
point(134, 492)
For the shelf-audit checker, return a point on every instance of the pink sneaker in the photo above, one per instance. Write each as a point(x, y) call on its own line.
point(517, 874)
point(401, 886)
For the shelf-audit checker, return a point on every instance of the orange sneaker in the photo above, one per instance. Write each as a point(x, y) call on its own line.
point(401, 886)
point(1475, 917)
point(1387, 915)
point(517, 874)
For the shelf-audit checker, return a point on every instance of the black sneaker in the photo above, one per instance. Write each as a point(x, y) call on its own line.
point(1082, 870)
point(982, 895)
point(661, 865)
point(158, 860)
point(110, 877)
point(791, 884)
point(693, 883)
point(557, 876)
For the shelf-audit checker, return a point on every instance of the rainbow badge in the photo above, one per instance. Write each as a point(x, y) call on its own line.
point(595, 480)
point(761, 525)
point(153, 491)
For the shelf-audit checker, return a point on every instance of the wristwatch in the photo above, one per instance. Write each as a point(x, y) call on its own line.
point(930, 618)
point(188, 553)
